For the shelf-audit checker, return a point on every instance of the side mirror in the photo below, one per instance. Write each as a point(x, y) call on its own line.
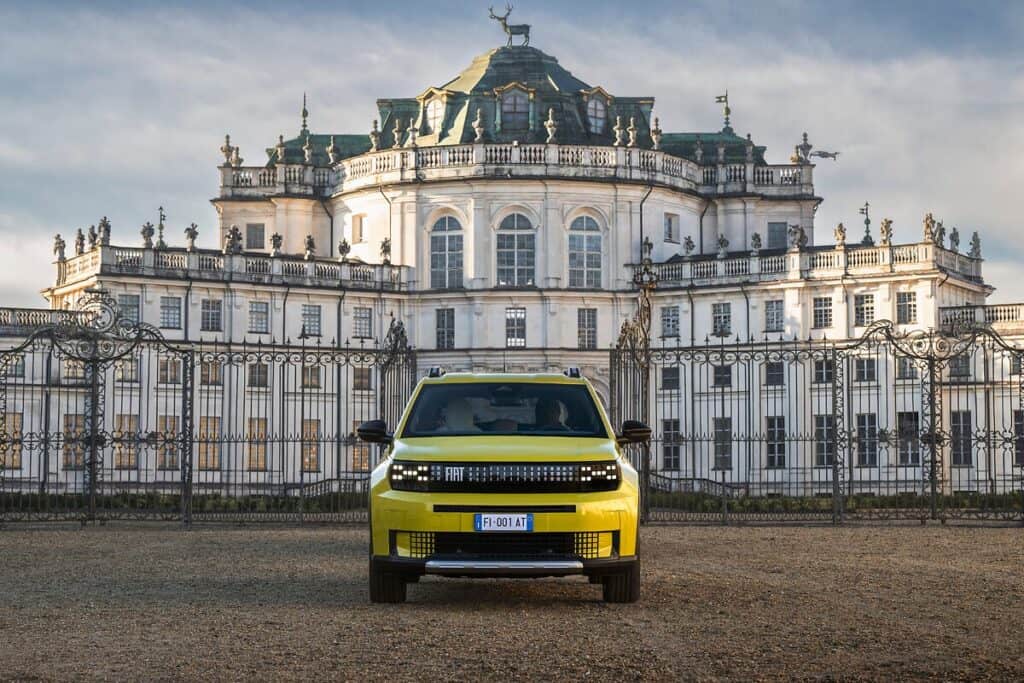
point(374, 431)
point(634, 431)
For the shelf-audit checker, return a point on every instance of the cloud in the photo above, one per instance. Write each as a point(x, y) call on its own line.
point(117, 110)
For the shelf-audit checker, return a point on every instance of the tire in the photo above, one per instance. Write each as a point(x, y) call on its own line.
point(624, 586)
point(386, 587)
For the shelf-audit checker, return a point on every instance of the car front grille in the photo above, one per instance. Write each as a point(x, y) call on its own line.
point(515, 477)
point(507, 546)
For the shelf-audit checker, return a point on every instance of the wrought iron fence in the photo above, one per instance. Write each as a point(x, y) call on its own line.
point(920, 425)
point(104, 419)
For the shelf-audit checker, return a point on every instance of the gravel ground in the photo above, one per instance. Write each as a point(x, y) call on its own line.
point(132, 603)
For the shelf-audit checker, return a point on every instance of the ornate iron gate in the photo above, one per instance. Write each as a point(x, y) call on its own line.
point(102, 418)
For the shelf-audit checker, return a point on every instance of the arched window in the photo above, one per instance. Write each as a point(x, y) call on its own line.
point(435, 116)
point(515, 110)
point(446, 253)
point(516, 251)
point(584, 253)
point(596, 114)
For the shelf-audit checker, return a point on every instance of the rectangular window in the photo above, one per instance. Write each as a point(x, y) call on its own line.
point(721, 320)
point(960, 366)
point(960, 438)
point(777, 232)
point(905, 368)
point(210, 373)
point(823, 371)
point(1014, 364)
point(311, 320)
point(362, 322)
point(775, 442)
point(723, 442)
point(1018, 438)
point(515, 327)
point(906, 307)
point(723, 376)
point(863, 309)
point(15, 365)
point(254, 236)
point(256, 453)
point(211, 318)
point(445, 320)
point(908, 444)
point(824, 440)
point(360, 451)
point(672, 227)
point(311, 445)
point(357, 228)
point(130, 307)
point(311, 377)
point(74, 369)
point(586, 328)
point(167, 451)
point(127, 370)
point(775, 373)
point(168, 371)
point(170, 312)
point(10, 454)
point(867, 440)
point(259, 317)
point(865, 370)
point(126, 441)
point(822, 312)
point(774, 318)
point(670, 444)
point(208, 442)
point(258, 376)
point(73, 447)
point(362, 379)
point(670, 321)
point(670, 378)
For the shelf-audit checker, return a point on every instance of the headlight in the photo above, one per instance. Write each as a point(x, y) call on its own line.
point(499, 477)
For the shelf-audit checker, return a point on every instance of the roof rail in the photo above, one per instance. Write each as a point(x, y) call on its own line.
point(435, 371)
point(573, 372)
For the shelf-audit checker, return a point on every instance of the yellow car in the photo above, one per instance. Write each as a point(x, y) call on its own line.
point(504, 475)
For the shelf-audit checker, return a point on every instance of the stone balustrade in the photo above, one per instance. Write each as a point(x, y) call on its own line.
point(528, 160)
point(20, 322)
point(245, 267)
point(1001, 316)
point(814, 262)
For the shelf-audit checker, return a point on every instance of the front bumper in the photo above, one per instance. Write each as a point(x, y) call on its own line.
point(414, 568)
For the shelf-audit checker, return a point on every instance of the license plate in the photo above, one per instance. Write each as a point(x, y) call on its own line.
point(503, 522)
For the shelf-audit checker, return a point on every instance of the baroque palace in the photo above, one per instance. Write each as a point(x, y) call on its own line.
point(509, 217)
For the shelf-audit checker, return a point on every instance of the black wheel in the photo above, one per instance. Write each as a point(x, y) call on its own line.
point(623, 586)
point(385, 586)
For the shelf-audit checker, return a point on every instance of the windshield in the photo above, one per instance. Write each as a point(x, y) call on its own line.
point(520, 408)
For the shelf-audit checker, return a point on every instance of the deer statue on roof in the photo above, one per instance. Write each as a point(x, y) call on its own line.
point(513, 29)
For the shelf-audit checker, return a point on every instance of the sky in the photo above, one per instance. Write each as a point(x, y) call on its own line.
point(114, 109)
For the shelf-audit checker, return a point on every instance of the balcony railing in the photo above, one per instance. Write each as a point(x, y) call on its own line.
point(532, 160)
point(20, 322)
point(999, 315)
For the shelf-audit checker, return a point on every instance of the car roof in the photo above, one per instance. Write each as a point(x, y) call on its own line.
point(522, 377)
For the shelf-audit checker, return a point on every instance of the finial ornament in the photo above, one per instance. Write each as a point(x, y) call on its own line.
point(226, 149)
point(374, 137)
point(797, 237)
point(233, 241)
point(59, 246)
point(344, 249)
point(929, 228)
point(803, 151)
point(305, 115)
point(749, 147)
point(975, 251)
point(332, 152)
point(723, 246)
point(865, 211)
point(656, 135)
point(411, 141)
point(147, 235)
point(688, 245)
point(512, 29)
point(280, 149)
point(307, 150)
point(550, 125)
point(160, 244)
point(618, 130)
point(940, 234)
point(840, 236)
point(478, 126)
point(385, 251)
point(236, 158)
point(79, 242)
point(632, 132)
point(698, 149)
point(92, 237)
point(191, 233)
point(726, 111)
point(755, 242)
point(396, 133)
point(104, 232)
point(885, 232)
point(275, 244)
point(310, 245)
point(954, 240)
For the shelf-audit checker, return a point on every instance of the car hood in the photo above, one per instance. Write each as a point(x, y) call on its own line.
point(504, 449)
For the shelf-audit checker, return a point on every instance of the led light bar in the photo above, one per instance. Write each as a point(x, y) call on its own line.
point(513, 477)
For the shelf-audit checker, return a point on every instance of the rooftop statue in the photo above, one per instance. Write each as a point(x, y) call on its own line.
point(512, 29)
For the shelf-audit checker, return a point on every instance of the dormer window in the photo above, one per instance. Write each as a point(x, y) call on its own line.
point(597, 114)
point(515, 111)
point(435, 116)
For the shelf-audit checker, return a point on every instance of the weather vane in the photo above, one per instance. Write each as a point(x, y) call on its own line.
point(724, 99)
point(865, 211)
point(512, 29)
